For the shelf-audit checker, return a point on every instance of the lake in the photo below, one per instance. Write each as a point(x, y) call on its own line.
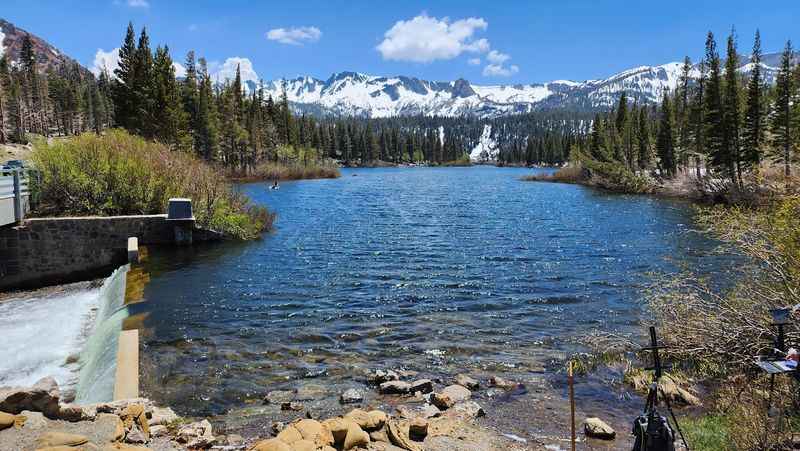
point(437, 270)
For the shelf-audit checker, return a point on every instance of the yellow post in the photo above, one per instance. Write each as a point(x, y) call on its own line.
point(571, 404)
point(126, 383)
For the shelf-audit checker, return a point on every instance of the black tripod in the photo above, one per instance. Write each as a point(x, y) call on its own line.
point(651, 415)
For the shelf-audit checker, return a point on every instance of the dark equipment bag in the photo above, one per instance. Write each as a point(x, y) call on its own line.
point(652, 432)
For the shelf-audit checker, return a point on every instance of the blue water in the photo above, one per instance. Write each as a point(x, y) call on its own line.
point(432, 269)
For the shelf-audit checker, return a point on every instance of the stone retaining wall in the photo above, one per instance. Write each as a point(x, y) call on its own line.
point(47, 251)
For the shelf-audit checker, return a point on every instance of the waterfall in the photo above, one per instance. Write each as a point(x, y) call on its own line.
point(70, 335)
point(98, 359)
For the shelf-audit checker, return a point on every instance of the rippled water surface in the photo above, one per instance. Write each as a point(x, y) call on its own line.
point(425, 268)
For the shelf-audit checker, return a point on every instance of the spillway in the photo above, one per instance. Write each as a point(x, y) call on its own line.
point(71, 335)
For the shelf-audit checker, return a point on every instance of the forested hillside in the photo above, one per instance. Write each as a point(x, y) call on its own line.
point(724, 124)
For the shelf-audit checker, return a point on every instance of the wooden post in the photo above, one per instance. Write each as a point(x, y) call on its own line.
point(570, 381)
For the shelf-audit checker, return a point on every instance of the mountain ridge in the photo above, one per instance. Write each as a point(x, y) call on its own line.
point(358, 94)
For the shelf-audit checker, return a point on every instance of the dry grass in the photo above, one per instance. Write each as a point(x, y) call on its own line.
point(572, 173)
point(289, 171)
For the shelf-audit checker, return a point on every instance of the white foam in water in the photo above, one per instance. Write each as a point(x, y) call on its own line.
point(40, 333)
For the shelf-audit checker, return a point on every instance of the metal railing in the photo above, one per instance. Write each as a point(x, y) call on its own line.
point(15, 195)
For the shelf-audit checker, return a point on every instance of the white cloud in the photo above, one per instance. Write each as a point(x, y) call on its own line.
point(474, 61)
point(108, 60)
point(497, 58)
point(227, 70)
point(180, 71)
point(424, 39)
point(138, 3)
point(498, 70)
point(295, 35)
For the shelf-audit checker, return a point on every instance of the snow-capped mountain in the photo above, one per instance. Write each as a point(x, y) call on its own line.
point(357, 94)
point(47, 56)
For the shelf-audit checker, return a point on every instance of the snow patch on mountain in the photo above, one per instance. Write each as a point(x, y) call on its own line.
point(2, 47)
point(487, 149)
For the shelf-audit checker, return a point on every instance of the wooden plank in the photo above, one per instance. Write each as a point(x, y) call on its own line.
point(126, 382)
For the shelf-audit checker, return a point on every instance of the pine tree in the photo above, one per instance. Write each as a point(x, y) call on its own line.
point(782, 116)
point(144, 122)
point(644, 154)
point(714, 127)
point(170, 119)
point(753, 133)
point(731, 146)
point(665, 143)
point(124, 99)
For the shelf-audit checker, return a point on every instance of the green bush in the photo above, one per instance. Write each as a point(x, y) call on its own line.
point(122, 174)
point(707, 433)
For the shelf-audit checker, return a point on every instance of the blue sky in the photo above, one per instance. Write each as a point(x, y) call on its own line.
point(486, 42)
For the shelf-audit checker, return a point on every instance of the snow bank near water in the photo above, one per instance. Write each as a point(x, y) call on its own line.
point(487, 149)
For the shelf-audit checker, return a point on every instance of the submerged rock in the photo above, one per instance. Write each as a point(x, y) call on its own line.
point(351, 396)
point(378, 377)
point(466, 381)
point(597, 428)
point(279, 397)
point(499, 382)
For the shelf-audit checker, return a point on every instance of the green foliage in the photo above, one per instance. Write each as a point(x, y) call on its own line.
point(708, 433)
point(120, 174)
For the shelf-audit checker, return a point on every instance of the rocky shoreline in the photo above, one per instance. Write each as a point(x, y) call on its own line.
point(414, 414)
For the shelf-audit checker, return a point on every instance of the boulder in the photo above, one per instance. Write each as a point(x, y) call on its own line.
point(32, 420)
point(450, 396)
point(292, 406)
point(338, 428)
point(196, 435)
point(314, 431)
point(351, 396)
point(422, 385)
point(597, 428)
point(468, 382)
point(304, 445)
point(499, 382)
point(466, 410)
point(121, 447)
point(395, 388)
point(110, 427)
point(162, 416)
point(74, 412)
point(61, 439)
point(367, 420)
point(355, 437)
point(272, 444)
point(418, 429)
point(134, 417)
point(136, 435)
point(6, 420)
point(158, 430)
point(669, 388)
point(378, 377)
point(117, 407)
point(289, 435)
point(398, 436)
point(43, 397)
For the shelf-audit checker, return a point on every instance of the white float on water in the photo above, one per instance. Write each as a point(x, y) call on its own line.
point(71, 336)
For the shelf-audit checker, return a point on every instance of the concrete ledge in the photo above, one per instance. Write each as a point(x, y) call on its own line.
point(133, 250)
point(126, 382)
